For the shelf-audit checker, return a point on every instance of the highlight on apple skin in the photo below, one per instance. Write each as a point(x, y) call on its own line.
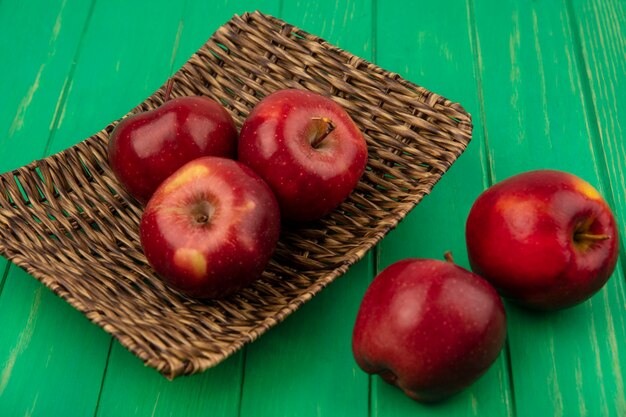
point(429, 327)
point(211, 228)
point(545, 239)
point(307, 148)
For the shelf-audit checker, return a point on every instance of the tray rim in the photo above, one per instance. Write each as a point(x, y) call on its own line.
point(464, 124)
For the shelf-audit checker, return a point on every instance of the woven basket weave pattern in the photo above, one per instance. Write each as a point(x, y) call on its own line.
point(67, 221)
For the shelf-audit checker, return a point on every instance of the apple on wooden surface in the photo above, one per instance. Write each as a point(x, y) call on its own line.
point(146, 148)
point(211, 227)
point(545, 239)
point(429, 327)
point(307, 148)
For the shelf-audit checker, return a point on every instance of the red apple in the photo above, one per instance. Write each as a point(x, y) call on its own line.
point(429, 327)
point(146, 148)
point(210, 228)
point(307, 148)
point(545, 239)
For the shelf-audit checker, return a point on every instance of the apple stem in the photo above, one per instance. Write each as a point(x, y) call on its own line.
point(168, 89)
point(323, 127)
point(592, 237)
point(448, 257)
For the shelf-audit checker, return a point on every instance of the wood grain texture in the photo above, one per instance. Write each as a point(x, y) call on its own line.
point(599, 29)
point(39, 54)
point(601, 33)
point(51, 358)
point(305, 367)
point(535, 112)
point(117, 71)
point(438, 54)
point(131, 389)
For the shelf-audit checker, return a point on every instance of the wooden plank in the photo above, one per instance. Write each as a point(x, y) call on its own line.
point(437, 53)
point(39, 44)
point(52, 357)
point(565, 363)
point(130, 389)
point(599, 31)
point(305, 366)
point(138, 53)
point(42, 351)
point(127, 54)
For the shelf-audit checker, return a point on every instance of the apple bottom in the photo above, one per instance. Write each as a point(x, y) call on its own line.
point(211, 228)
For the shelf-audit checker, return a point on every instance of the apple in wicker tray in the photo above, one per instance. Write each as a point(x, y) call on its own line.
point(307, 148)
point(545, 239)
point(146, 148)
point(429, 327)
point(211, 227)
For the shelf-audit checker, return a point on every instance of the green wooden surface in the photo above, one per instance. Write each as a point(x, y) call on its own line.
point(42, 373)
point(438, 223)
point(546, 84)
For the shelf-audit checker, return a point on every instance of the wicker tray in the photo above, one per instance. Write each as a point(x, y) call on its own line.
point(67, 221)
